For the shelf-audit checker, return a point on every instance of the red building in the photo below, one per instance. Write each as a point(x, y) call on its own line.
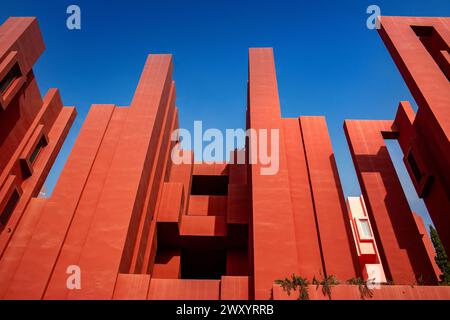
point(139, 226)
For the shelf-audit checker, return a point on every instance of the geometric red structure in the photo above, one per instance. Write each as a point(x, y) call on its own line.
point(32, 130)
point(140, 226)
point(403, 255)
point(420, 48)
point(307, 169)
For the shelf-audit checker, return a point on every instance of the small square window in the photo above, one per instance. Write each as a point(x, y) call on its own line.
point(31, 152)
point(364, 227)
point(41, 144)
point(414, 167)
point(12, 75)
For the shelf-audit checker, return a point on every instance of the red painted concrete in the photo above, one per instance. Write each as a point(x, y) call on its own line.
point(272, 221)
point(421, 55)
point(167, 265)
point(129, 218)
point(306, 231)
point(386, 292)
point(338, 250)
point(234, 288)
point(423, 231)
point(403, 254)
point(131, 287)
point(25, 119)
point(180, 289)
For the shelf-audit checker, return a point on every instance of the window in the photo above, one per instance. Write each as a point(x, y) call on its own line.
point(203, 185)
point(423, 31)
point(31, 152)
point(9, 208)
point(42, 143)
point(435, 45)
point(365, 228)
point(414, 167)
point(12, 75)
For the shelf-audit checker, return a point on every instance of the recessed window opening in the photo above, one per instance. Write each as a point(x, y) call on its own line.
point(9, 208)
point(12, 75)
point(365, 228)
point(435, 45)
point(41, 144)
point(414, 167)
point(416, 204)
point(209, 185)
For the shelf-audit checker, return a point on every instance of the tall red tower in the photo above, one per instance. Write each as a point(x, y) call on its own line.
point(424, 137)
point(420, 48)
point(32, 130)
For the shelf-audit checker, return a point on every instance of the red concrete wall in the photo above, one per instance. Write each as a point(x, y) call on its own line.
point(124, 213)
point(87, 202)
point(131, 287)
point(422, 60)
point(385, 292)
point(168, 289)
point(25, 119)
point(273, 222)
point(336, 239)
point(234, 288)
point(402, 251)
point(306, 231)
point(423, 231)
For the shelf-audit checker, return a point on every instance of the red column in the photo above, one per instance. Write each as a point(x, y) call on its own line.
point(338, 249)
point(87, 203)
point(306, 232)
point(420, 48)
point(402, 251)
point(274, 243)
point(32, 131)
point(122, 198)
point(30, 279)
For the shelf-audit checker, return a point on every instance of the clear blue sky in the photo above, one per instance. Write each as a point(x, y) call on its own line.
point(328, 62)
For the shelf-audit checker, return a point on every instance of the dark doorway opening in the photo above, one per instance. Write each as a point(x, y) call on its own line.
point(202, 264)
point(209, 185)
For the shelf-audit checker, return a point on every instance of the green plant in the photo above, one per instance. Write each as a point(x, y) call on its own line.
point(363, 288)
point(326, 283)
point(441, 257)
point(292, 284)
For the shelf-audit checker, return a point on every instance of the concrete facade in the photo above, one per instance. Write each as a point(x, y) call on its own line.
point(139, 226)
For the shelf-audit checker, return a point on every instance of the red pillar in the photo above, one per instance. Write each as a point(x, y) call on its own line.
point(337, 244)
point(403, 254)
point(420, 49)
point(117, 215)
point(274, 243)
point(32, 131)
point(306, 231)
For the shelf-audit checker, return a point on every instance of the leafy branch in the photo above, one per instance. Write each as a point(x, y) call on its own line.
point(326, 283)
point(363, 288)
point(292, 284)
